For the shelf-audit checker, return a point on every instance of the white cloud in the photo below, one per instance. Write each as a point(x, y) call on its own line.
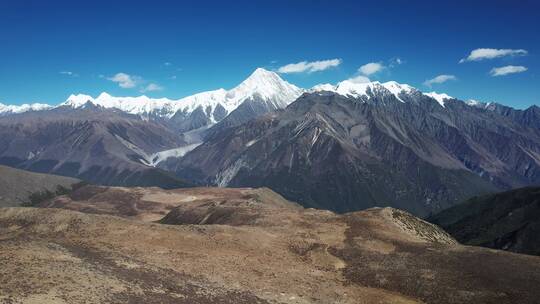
point(359, 79)
point(309, 67)
point(505, 70)
point(125, 81)
point(152, 87)
point(371, 68)
point(439, 79)
point(69, 73)
point(395, 62)
point(484, 53)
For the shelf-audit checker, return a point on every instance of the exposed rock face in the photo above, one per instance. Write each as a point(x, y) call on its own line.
point(508, 220)
point(333, 152)
point(242, 246)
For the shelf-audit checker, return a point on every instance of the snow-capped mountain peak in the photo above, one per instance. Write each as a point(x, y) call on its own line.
point(398, 88)
point(15, 109)
point(478, 104)
point(266, 85)
point(439, 97)
point(204, 100)
point(357, 89)
point(104, 96)
point(261, 84)
point(77, 100)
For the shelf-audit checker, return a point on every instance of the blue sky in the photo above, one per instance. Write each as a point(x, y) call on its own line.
point(50, 49)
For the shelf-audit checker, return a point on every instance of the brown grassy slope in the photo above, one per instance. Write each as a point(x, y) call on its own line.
point(245, 246)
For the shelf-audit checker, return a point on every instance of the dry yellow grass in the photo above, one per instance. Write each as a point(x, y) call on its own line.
point(254, 247)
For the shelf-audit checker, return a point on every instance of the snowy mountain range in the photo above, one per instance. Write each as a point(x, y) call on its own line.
point(215, 105)
point(16, 109)
point(344, 147)
point(358, 145)
point(267, 86)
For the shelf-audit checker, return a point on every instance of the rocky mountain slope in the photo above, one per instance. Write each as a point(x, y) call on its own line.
point(373, 145)
point(119, 140)
point(342, 147)
point(242, 246)
point(508, 220)
point(18, 186)
point(91, 143)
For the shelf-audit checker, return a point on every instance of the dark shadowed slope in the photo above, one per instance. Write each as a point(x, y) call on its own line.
point(17, 186)
point(508, 220)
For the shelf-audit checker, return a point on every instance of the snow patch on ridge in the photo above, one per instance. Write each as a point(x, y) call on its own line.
point(440, 98)
point(251, 142)
point(16, 109)
point(351, 88)
point(224, 177)
point(158, 157)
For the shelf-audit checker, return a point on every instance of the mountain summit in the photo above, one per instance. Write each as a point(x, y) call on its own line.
point(203, 108)
point(268, 86)
point(265, 90)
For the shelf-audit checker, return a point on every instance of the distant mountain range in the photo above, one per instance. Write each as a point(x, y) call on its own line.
point(118, 140)
point(104, 146)
point(358, 145)
point(16, 109)
point(190, 112)
point(342, 147)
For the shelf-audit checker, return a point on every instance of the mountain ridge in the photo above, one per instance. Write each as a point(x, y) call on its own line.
point(329, 151)
point(216, 104)
point(257, 84)
point(98, 145)
point(354, 145)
